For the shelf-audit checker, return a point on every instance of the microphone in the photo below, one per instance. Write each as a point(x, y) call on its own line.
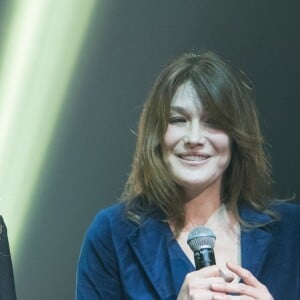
point(202, 241)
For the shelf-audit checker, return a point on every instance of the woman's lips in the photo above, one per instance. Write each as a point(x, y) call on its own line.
point(193, 157)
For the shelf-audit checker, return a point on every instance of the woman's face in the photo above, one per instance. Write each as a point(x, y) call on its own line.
point(196, 153)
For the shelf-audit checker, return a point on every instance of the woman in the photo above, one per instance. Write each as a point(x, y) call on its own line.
point(199, 160)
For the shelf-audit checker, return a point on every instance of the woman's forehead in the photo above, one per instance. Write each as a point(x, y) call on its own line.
point(185, 96)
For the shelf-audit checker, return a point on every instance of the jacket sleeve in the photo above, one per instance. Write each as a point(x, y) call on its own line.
point(97, 271)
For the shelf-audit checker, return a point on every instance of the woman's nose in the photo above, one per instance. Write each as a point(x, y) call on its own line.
point(195, 134)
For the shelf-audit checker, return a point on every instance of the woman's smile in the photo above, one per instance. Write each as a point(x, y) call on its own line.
point(194, 157)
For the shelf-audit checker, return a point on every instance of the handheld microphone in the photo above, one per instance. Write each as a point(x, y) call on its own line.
point(202, 241)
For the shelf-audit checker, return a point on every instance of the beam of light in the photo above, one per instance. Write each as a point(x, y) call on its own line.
point(42, 42)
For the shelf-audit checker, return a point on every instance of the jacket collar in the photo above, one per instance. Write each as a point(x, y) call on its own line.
point(256, 241)
point(149, 244)
point(150, 247)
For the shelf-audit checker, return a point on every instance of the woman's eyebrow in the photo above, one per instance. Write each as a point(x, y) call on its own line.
point(178, 109)
point(184, 111)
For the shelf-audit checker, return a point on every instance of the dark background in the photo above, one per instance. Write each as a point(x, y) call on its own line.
point(124, 51)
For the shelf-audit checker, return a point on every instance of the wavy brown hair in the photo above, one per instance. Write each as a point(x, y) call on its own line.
point(227, 98)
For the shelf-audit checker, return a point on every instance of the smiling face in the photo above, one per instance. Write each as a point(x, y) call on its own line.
point(196, 153)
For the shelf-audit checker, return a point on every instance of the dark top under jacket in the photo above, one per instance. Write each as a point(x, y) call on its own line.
point(7, 284)
point(123, 260)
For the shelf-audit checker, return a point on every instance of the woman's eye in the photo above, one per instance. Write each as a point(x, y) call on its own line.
point(210, 123)
point(174, 120)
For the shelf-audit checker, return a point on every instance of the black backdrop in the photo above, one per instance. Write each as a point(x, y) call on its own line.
point(128, 43)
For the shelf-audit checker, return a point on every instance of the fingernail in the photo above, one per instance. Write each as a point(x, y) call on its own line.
point(228, 277)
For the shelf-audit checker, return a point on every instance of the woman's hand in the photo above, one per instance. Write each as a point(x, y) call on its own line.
point(197, 285)
point(250, 289)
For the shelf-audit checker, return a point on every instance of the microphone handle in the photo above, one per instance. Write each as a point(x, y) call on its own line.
point(204, 257)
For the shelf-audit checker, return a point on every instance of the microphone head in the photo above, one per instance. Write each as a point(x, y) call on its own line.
point(201, 237)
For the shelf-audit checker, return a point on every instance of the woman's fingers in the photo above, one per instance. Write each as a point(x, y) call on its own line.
point(235, 288)
point(250, 289)
point(215, 271)
point(228, 277)
point(197, 284)
point(244, 274)
point(194, 281)
point(211, 271)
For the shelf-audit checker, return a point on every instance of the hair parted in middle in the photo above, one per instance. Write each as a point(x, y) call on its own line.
point(226, 96)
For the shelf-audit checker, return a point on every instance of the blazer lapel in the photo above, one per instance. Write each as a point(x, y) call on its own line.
point(149, 243)
point(255, 243)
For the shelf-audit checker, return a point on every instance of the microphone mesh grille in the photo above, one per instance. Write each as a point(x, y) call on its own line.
point(201, 236)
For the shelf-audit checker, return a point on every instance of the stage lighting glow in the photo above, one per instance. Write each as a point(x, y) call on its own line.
point(40, 48)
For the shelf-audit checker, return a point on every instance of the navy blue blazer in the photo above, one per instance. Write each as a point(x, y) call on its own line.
point(122, 260)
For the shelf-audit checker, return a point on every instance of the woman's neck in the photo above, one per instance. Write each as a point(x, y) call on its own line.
point(199, 209)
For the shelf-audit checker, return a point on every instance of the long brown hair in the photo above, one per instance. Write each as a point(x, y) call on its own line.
point(227, 98)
